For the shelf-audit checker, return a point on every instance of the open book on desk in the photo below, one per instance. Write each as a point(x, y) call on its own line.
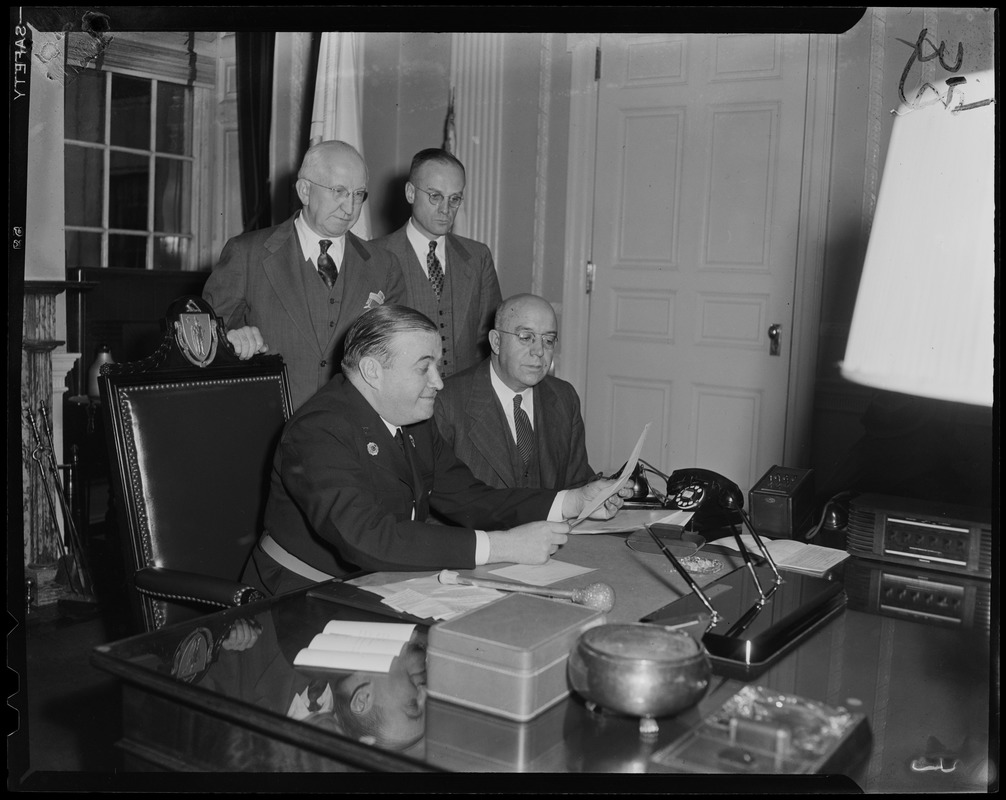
point(789, 554)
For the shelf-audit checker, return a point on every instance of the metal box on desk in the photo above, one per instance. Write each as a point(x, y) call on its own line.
point(468, 740)
point(506, 658)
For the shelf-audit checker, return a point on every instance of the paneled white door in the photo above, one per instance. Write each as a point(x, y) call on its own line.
point(695, 229)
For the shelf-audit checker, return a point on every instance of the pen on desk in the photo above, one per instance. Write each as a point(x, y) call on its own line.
point(684, 574)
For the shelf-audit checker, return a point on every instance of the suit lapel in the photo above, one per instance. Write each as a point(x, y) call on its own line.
point(548, 464)
point(487, 435)
point(374, 440)
point(417, 285)
point(460, 272)
point(283, 269)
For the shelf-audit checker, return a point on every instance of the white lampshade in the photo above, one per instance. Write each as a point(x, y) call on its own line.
point(923, 322)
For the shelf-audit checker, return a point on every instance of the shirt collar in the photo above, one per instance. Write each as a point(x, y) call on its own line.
point(422, 245)
point(506, 394)
point(309, 242)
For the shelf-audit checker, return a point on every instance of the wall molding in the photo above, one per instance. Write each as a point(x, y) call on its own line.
point(477, 80)
point(541, 182)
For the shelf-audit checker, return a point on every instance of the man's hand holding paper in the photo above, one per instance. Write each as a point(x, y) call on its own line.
point(602, 499)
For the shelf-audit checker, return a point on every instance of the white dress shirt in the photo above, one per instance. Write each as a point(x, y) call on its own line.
point(421, 246)
point(311, 249)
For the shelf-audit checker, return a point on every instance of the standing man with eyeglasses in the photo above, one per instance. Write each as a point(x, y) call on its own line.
point(507, 419)
point(450, 279)
point(295, 288)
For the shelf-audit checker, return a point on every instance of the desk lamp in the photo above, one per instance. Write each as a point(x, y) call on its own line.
point(923, 320)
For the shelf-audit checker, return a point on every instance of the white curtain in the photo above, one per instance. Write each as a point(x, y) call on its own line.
point(337, 110)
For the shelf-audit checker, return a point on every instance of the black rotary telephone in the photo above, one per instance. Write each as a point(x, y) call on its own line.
point(715, 501)
point(697, 490)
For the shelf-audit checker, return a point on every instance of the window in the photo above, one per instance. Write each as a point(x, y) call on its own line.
point(128, 161)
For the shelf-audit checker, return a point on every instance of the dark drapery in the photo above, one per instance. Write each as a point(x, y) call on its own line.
point(254, 73)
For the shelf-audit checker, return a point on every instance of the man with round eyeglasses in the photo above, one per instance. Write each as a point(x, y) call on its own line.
point(449, 278)
point(295, 288)
point(480, 419)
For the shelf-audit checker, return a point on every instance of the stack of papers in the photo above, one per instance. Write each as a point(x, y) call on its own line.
point(356, 646)
point(428, 598)
point(789, 554)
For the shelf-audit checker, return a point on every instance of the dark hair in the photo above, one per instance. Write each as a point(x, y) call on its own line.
point(433, 155)
point(372, 333)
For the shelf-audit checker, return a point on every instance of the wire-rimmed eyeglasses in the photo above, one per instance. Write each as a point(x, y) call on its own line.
point(341, 193)
point(436, 198)
point(528, 338)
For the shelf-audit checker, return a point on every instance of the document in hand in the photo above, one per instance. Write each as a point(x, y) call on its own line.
point(623, 478)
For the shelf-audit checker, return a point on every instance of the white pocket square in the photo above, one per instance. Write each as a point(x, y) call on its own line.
point(374, 300)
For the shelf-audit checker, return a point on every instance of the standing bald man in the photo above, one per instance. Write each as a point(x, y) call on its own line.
point(295, 288)
point(479, 419)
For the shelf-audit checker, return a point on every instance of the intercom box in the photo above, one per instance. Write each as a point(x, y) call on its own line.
point(782, 502)
point(508, 657)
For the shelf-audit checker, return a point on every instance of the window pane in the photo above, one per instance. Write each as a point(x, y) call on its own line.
point(82, 185)
point(83, 249)
point(130, 112)
point(127, 251)
point(170, 252)
point(84, 118)
point(172, 195)
point(173, 119)
point(128, 184)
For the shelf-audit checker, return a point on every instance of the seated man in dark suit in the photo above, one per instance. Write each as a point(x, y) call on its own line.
point(361, 464)
point(478, 418)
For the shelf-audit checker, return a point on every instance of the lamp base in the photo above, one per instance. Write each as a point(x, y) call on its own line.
point(750, 639)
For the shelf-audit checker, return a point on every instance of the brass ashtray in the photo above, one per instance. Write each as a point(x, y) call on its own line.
point(638, 669)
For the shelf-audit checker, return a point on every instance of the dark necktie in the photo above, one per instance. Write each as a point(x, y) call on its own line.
point(326, 266)
point(525, 433)
point(435, 271)
point(417, 484)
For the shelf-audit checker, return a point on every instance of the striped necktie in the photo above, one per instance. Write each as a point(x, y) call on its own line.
point(525, 433)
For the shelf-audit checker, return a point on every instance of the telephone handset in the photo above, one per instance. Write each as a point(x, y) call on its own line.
point(702, 490)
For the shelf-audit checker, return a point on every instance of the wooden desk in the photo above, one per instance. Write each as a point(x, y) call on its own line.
point(914, 679)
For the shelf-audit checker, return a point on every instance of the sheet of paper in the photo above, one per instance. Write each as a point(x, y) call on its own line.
point(427, 598)
point(623, 478)
point(632, 519)
point(354, 662)
point(541, 574)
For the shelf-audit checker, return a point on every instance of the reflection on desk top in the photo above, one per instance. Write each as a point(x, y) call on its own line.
point(917, 681)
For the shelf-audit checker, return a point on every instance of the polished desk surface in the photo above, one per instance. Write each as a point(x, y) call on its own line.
point(923, 683)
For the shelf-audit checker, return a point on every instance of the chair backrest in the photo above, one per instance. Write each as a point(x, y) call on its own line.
point(191, 433)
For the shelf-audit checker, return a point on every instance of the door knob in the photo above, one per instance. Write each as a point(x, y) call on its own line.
point(775, 336)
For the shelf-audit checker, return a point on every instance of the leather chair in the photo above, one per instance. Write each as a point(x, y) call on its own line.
point(191, 431)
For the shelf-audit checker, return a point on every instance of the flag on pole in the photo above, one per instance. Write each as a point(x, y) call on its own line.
point(337, 113)
point(460, 227)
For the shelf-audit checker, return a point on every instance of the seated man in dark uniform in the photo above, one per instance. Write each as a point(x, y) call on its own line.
point(361, 464)
point(511, 422)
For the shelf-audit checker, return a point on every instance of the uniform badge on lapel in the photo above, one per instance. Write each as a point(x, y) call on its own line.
point(375, 299)
point(372, 448)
